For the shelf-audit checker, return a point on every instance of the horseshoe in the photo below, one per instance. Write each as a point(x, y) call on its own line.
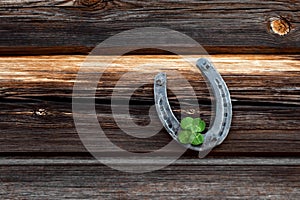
point(221, 106)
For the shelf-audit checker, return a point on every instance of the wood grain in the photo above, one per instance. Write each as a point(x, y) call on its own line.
point(36, 103)
point(88, 180)
point(221, 26)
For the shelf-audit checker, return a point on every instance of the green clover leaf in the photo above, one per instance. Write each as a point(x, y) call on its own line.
point(197, 139)
point(184, 136)
point(186, 123)
point(199, 125)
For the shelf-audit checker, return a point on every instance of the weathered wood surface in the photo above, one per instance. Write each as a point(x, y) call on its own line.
point(205, 179)
point(222, 26)
point(41, 156)
point(36, 109)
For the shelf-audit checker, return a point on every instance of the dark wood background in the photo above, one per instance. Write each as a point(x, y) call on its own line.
point(41, 155)
point(221, 26)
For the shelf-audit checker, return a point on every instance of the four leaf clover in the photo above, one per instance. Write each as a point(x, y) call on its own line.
point(191, 129)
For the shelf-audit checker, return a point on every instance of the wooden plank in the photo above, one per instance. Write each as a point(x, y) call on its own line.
point(221, 26)
point(193, 181)
point(36, 110)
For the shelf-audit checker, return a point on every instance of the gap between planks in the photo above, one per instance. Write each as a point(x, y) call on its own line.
point(206, 161)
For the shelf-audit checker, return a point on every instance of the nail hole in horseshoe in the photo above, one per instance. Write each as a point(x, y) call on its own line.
point(160, 102)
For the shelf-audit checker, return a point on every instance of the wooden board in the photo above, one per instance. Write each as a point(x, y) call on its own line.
point(221, 26)
point(36, 103)
point(202, 179)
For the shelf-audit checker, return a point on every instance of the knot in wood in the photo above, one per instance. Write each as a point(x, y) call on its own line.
point(280, 26)
point(91, 3)
point(40, 112)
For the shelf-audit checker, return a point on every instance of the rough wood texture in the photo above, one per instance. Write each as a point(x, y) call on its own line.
point(89, 180)
point(222, 26)
point(36, 110)
point(41, 156)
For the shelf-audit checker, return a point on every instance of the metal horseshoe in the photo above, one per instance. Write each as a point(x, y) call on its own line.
point(221, 106)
